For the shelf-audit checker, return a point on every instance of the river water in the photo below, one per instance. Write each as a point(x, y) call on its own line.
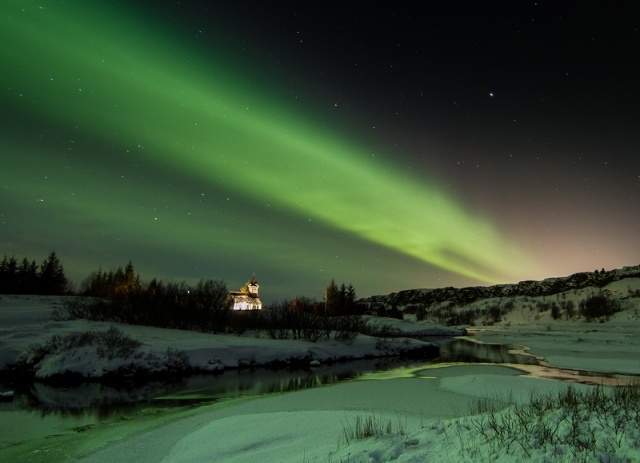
point(40, 411)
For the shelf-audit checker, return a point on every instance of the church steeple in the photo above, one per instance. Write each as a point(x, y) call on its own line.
point(253, 287)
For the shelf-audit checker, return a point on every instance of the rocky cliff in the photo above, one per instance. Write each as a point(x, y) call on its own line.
point(462, 296)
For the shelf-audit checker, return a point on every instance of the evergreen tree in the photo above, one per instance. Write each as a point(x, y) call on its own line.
point(27, 277)
point(118, 284)
point(8, 275)
point(132, 279)
point(18, 278)
point(342, 300)
point(52, 280)
point(331, 298)
point(3, 274)
point(351, 301)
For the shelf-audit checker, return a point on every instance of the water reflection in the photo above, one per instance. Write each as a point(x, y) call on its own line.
point(465, 350)
point(100, 400)
point(104, 401)
point(108, 401)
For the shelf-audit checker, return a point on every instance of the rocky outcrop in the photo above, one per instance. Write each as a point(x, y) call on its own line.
point(461, 296)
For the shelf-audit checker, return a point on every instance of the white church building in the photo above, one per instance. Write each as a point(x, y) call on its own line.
point(246, 299)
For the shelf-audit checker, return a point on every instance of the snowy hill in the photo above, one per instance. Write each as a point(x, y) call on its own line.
point(489, 304)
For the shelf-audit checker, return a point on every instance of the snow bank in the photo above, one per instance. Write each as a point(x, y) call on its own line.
point(162, 350)
point(427, 416)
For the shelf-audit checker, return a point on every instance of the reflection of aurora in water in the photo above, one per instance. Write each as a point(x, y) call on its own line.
point(468, 351)
point(462, 350)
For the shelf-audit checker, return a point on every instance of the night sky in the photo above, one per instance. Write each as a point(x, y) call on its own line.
point(387, 145)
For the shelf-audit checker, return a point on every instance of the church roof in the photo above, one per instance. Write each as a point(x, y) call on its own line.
point(237, 296)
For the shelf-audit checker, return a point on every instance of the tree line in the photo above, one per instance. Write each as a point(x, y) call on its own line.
point(26, 277)
point(202, 307)
point(341, 300)
point(112, 283)
point(118, 295)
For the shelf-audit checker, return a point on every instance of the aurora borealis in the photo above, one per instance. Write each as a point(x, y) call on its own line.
point(304, 143)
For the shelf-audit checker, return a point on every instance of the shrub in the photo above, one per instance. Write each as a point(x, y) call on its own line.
point(238, 322)
point(347, 327)
point(493, 315)
point(378, 329)
point(598, 307)
point(572, 420)
point(569, 309)
point(281, 322)
point(73, 308)
point(110, 344)
point(113, 343)
point(370, 426)
point(542, 306)
point(177, 360)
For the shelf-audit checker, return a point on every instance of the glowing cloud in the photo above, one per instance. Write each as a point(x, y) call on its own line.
point(93, 67)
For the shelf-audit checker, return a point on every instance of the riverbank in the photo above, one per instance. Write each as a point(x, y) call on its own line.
point(612, 346)
point(34, 344)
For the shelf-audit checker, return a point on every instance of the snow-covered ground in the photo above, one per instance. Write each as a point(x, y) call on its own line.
point(26, 322)
point(420, 415)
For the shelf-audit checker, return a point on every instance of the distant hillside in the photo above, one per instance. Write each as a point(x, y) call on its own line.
point(439, 304)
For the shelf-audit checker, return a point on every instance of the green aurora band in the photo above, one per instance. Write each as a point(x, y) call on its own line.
point(93, 66)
